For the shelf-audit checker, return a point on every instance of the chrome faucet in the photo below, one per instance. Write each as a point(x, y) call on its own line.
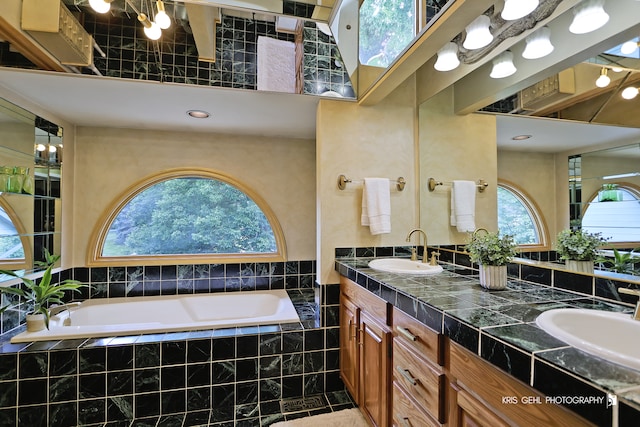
point(636, 292)
point(424, 248)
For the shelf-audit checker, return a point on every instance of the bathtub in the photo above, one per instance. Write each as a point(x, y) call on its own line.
point(108, 317)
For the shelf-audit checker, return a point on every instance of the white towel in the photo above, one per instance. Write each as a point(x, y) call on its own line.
point(376, 205)
point(463, 205)
point(276, 65)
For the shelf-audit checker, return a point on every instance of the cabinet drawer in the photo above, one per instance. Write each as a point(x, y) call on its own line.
point(406, 413)
point(417, 336)
point(373, 304)
point(423, 381)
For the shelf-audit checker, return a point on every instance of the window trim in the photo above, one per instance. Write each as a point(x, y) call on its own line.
point(99, 235)
point(627, 186)
point(534, 211)
point(26, 240)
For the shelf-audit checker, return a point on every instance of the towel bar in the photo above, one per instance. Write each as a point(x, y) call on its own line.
point(482, 184)
point(343, 181)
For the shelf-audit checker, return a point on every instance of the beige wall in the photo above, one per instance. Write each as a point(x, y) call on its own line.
point(455, 148)
point(535, 175)
point(361, 142)
point(108, 161)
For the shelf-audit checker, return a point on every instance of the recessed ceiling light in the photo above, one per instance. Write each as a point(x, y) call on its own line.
point(198, 114)
point(521, 137)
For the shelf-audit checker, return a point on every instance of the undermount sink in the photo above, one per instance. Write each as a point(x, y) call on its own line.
point(404, 266)
point(609, 335)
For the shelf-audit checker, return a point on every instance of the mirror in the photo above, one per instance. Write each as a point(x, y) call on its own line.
point(604, 190)
point(30, 206)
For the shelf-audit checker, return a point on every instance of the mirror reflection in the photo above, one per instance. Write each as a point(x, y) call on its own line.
point(30, 162)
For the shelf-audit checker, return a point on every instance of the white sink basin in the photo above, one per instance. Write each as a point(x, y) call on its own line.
point(404, 266)
point(611, 336)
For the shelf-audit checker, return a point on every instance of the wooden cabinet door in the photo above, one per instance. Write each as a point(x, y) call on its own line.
point(469, 412)
point(375, 351)
point(349, 363)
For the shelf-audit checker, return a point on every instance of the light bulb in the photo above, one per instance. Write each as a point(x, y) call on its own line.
point(629, 47)
point(100, 6)
point(162, 19)
point(589, 16)
point(151, 29)
point(503, 66)
point(478, 33)
point(52, 149)
point(516, 9)
point(538, 44)
point(447, 58)
point(603, 80)
point(41, 147)
point(630, 92)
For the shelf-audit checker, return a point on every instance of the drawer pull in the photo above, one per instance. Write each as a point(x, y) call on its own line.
point(405, 422)
point(406, 333)
point(405, 373)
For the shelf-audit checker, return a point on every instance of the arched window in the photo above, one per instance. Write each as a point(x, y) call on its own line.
point(189, 216)
point(617, 218)
point(519, 217)
point(15, 246)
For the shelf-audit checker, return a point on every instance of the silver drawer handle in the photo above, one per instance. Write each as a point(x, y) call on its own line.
point(405, 422)
point(406, 333)
point(405, 373)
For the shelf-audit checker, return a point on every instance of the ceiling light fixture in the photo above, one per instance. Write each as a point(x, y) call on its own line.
point(630, 92)
point(589, 16)
point(604, 79)
point(538, 44)
point(198, 114)
point(516, 9)
point(478, 33)
point(447, 58)
point(161, 18)
point(629, 47)
point(503, 66)
point(100, 6)
point(151, 29)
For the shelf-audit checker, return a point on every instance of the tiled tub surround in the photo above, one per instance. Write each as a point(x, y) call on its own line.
point(223, 377)
point(499, 326)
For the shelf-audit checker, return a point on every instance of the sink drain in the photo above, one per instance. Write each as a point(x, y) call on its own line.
point(302, 404)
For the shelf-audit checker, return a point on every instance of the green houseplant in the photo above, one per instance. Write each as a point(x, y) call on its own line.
point(39, 294)
point(623, 262)
point(579, 249)
point(492, 252)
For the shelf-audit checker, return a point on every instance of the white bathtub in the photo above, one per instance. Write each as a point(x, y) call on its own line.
point(108, 317)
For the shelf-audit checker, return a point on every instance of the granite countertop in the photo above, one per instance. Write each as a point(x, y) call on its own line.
point(500, 327)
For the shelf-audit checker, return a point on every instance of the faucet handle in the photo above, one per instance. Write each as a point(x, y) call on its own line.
point(435, 256)
point(414, 253)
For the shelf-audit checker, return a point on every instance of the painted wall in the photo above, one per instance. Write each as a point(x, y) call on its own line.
point(360, 142)
point(455, 148)
point(534, 174)
point(108, 161)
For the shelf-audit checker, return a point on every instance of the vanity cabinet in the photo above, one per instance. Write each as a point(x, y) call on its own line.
point(365, 350)
point(418, 375)
point(482, 395)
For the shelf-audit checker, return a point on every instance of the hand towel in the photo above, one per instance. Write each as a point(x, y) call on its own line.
point(463, 205)
point(376, 205)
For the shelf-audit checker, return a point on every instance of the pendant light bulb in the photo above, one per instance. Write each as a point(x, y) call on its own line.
point(589, 16)
point(538, 44)
point(630, 92)
point(478, 33)
point(447, 58)
point(151, 29)
point(100, 6)
point(629, 47)
point(516, 9)
point(162, 19)
point(604, 79)
point(503, 66)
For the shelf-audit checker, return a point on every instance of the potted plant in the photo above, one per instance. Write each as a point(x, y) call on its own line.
point(39, 294)
point(609, 193)
point(492, 252)
point(623, 262)
point(579, 249)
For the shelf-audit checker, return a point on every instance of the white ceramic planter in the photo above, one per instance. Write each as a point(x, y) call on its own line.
point(580, 266)
point(493, 277)
point(35, 322)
